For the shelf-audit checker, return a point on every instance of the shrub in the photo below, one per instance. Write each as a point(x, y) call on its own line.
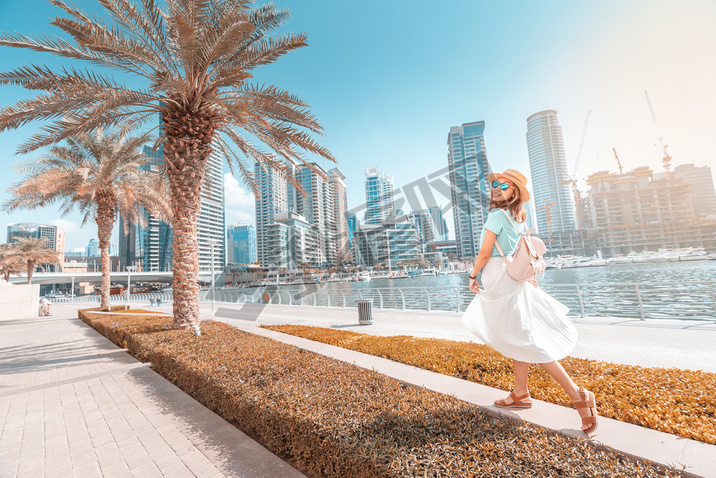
point(680, 402)
point(331, 418)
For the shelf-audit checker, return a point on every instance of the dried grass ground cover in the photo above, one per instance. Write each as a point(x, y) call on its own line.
point(679, 402)
point(330, 418)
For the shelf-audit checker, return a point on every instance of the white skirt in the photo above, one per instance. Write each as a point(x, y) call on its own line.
point(519, 320)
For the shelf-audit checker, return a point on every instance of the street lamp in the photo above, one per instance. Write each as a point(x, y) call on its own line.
point(72, 290)
point(130, 269)
point(212, 243)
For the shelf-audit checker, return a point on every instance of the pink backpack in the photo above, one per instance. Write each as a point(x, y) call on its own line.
point(527, 262)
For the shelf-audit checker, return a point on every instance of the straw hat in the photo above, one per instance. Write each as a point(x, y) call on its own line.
point(515, 177)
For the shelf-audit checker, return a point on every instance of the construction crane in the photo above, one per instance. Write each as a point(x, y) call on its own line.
point(666, 159)
point(548, 215)
point(618, 162)
point(570, 177)
point(581, 143)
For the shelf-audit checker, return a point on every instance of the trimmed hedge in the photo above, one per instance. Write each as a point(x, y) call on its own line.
point(680, 402)
point(330, 418)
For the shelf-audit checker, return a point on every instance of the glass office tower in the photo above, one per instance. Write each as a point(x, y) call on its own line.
point(468, 168)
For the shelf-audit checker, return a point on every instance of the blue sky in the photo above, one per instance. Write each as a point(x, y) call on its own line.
point(388, 79)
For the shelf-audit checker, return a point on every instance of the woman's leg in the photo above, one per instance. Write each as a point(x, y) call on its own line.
point(522, 370)
point(520, 389)
point(558, 372)
point(587, 413)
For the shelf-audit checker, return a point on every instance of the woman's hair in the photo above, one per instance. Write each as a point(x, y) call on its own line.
point(514, 205)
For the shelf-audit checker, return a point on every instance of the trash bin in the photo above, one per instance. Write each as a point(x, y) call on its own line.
point(365, 311)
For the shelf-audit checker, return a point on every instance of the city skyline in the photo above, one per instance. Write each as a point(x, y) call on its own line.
point(363, 88)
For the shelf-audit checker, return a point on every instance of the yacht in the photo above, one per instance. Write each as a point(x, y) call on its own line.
point(364, 276)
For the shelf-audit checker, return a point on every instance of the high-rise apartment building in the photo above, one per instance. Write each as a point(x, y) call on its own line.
point(271, 201)
point(54, 239)
point(336, 180)
point(702, 187)
point(211, 221)
point(425, 229)
point(468, 168)
point(149, 247)
point(551, 193)
point(379, 196)
point(387, 243)
point(316, 206)
point(241, 244)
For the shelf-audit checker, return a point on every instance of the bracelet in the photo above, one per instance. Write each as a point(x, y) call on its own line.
point(471, 277)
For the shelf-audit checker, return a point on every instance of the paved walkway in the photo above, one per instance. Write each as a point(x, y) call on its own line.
point(635, 342)
point(74, 405)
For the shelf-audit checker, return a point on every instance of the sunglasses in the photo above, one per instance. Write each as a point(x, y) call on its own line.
point(503, 186)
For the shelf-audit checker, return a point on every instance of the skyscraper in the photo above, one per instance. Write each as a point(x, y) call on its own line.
point(439, 222)
point(339, 192)
point(54, 239)
point(271, 201)
point(211, 221)
point(425, 229)
point(151, 247)
point(468, 168)
point(552, 195)
point(241, 244)
point(379, 198)
point(317, 208)
point(92, 249)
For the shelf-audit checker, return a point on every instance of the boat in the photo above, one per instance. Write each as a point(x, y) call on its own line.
point(364, 276)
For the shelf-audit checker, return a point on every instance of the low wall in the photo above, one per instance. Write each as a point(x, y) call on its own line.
point(19, 301)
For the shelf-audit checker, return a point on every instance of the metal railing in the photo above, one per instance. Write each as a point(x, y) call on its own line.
point(648, 300)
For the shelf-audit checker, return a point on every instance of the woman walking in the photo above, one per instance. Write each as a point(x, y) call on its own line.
point(517, 318)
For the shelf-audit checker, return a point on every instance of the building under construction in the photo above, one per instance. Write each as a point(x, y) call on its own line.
point(631, 211)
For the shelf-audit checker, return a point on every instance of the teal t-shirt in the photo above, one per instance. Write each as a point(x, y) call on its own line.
point(507, 236)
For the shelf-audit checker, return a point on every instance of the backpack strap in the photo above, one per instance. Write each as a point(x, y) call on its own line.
point(507, 215)
point(522, 234)
point(499, 249)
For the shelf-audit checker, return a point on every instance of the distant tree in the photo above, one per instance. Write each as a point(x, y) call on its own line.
point(32, 252)
point(9, 262)
point(101, 174)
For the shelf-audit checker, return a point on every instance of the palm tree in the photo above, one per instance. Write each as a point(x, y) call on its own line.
point(196, 58)
point(31, 252)
point(9, 263)
point(100, 174)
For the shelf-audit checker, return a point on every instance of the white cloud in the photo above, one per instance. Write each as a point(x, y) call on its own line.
point(240, 202)
point(67, 226)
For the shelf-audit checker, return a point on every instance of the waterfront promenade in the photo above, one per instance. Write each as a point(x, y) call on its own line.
point(73, 404)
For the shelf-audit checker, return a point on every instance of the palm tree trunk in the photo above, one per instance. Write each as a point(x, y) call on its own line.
point(105, 223)
point(30, 270)
point(186, 203)
point(189, 130)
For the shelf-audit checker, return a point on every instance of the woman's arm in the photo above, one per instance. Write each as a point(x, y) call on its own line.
point(482, 257)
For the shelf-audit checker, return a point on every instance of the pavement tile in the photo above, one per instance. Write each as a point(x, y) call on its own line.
point(31, 469)
point(114, 468)
point(139, 461)
point(148, 470)
point(90, 470)
point(178, 470)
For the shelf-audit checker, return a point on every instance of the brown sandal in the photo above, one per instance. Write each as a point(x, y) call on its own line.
point(587, 403)
point(517, 402)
